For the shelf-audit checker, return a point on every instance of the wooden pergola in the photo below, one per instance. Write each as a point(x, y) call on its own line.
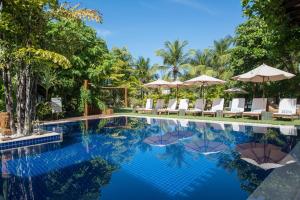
point(86, 86)
point(122, 88)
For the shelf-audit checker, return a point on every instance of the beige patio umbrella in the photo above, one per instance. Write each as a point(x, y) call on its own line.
point(176, 84)
point(203, 81)
point(157, 84)
point(262, 74)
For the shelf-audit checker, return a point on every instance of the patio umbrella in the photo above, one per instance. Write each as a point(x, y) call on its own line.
point(157, 84)
point(203, 81)
point(265, 156)
point(262, 74)
point(176, 84)
point(236, 91)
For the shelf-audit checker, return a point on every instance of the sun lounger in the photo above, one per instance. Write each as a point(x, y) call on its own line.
point(237, 107)
point(171, 106)
point(259, 105)
point(199, 107)
point(148, 107)
point(287, 109)
point(218, 104)
point(183, 105)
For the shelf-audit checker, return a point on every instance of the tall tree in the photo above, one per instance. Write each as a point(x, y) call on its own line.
point(23, 26)
point(144, 71)
point(175, 60)
point(201, 63)
point(221, 53)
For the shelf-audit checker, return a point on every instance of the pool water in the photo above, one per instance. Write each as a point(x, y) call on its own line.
point(144, 158)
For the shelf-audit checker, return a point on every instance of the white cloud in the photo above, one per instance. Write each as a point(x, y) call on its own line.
point(103, 32)
point(195, 5)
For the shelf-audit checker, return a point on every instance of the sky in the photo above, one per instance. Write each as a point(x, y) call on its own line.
point(144, 25)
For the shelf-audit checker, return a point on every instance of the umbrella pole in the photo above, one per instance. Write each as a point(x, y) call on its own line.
point(203, 97)
point(177, 93)
point(263, 87)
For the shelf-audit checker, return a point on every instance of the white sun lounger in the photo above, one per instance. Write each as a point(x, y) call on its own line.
point(218, 104)
point(259, 105)
point(237, 107)
point(199, 107)
point(183, 105)
point(171, 106)
point(148, 107)
point(287, 109)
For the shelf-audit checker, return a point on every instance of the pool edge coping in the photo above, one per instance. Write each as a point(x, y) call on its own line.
point(167, 118)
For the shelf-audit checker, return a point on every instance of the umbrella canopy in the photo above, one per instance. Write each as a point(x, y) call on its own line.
point(205, 147)
point(160, 140)
point(157, 84)
point(264, 73)
point(176, 84)
point(265, 156)
point(236, 91)
point(204, 80)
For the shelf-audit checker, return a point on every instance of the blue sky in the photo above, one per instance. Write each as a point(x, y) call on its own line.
point(144, 25)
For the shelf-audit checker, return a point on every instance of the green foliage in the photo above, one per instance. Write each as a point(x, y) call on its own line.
point(85, 97)
point(44, 110)
point(101, 104)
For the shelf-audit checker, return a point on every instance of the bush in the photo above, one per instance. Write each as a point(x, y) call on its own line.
point(44, 111)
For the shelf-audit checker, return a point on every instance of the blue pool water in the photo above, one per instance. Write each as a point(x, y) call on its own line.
point(143, 158)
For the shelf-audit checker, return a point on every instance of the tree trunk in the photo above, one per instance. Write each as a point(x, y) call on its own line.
point(34, 98)
point(21, 100)
point(9, 98)
point(28, 102)
point(47, 92)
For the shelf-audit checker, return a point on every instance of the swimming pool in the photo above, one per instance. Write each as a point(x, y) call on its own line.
point(145, 158)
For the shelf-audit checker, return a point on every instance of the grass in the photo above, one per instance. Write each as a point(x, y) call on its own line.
point(225, 119)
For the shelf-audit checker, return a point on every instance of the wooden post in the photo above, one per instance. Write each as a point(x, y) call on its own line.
point(126, 96)
point(86, 106)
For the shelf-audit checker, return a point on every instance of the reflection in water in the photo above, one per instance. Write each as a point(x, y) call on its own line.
point(82, 166)
point(265, 156)
point(205, 147)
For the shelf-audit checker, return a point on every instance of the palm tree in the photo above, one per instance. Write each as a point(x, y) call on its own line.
point(48, 79)
point(144, 71)
point(201, 63)
point(221, 53)
point(174, 59)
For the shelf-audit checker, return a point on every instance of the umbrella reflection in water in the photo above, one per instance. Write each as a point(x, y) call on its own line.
point(205, 146)
point(160, 140)
point(265, 156)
